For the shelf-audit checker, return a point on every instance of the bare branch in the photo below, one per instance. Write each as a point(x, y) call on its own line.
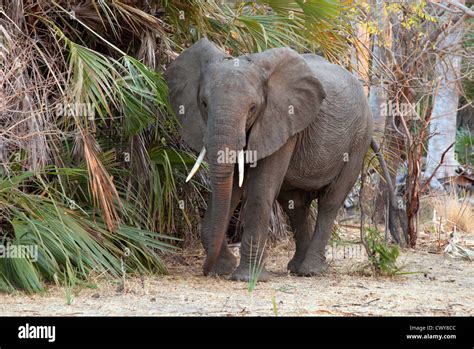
point(436, 169)
point(445, 7)
point(468, 11)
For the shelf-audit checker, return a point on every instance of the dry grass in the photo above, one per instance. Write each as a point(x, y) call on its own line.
point(455, 212)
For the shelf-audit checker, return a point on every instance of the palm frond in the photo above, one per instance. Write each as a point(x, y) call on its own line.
point(70, 245)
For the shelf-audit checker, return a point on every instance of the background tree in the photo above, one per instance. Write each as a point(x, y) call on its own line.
point(413, 78)
point(446, 96)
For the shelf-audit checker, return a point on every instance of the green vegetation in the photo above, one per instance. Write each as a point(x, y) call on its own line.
point(255, 265)
point(463, 147)
point(382, 257)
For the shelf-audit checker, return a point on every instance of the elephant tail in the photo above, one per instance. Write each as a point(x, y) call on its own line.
point(396, 214)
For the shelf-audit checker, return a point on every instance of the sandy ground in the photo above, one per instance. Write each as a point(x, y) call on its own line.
point(439, 285)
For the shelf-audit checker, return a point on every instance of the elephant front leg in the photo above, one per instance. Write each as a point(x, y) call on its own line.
point(264, 182)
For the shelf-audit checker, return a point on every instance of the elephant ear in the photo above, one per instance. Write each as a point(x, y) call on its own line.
point(294, 96)
point(183, 77)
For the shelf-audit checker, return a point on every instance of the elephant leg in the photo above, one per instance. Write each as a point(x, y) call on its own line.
point(296, 204)
point(330, 201)
point(226, 261)
point(263, 186)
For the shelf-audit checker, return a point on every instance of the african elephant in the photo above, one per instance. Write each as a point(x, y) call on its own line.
point(307, 123)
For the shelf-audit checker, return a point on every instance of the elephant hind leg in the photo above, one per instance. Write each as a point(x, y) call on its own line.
point(330, 200)
point(296, 204)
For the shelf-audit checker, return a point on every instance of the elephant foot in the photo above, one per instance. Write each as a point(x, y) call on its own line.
point(294, 265)
point(244, 274)
point(315, 268)
point(225, 264)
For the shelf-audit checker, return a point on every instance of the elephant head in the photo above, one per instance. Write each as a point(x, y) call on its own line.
point(254, 103)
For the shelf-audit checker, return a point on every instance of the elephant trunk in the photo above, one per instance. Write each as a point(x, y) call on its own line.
point(221, 197)
point(221, 170)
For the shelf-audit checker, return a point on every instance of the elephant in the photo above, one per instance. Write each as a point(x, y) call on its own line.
point(307, 124)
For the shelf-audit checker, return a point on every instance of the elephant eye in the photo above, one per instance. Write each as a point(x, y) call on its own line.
point(253, 108)
point(204, 104)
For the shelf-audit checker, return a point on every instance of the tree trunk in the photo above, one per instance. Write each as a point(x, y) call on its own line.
point(377, 92)
point(380, 107)
point(445, 106)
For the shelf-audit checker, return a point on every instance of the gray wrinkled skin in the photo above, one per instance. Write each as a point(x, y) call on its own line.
point(310, 125)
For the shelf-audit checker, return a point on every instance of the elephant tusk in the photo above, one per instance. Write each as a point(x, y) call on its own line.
point(196, 165)
point(240, 160)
